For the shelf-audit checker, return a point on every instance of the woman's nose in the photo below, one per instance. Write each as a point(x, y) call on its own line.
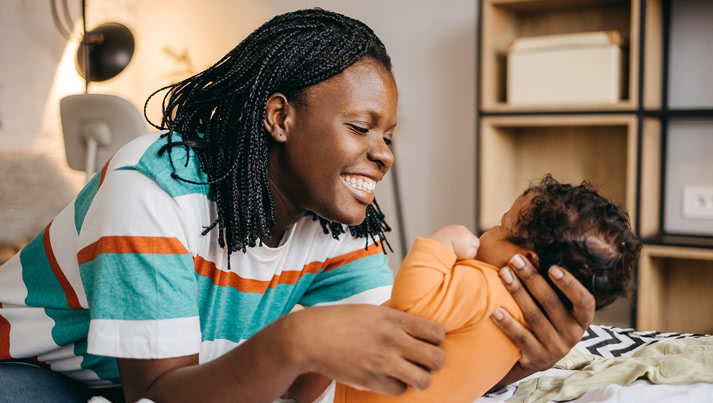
point(381, 153)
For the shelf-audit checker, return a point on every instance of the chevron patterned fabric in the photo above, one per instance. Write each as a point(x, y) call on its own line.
point(608, 341)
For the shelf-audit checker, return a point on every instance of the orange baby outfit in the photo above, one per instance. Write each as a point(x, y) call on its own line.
point(461, 296)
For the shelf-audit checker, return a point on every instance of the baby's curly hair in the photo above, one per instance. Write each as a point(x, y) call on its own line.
point(578, 229)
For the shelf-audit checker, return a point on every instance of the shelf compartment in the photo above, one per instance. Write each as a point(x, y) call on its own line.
point(675, 289)
point(505, 20)
point(689, 147)
point(690, 54)
point(516, 151)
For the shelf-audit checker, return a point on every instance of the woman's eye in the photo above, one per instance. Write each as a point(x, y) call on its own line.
point(387, 141)
point(359, 129)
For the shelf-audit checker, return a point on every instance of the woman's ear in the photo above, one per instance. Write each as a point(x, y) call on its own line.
point(278, 117)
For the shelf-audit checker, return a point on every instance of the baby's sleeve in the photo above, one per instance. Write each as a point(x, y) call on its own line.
point(431, 284)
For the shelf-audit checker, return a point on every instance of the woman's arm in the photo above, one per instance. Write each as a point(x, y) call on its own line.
point(373, 347)
point(553, 332)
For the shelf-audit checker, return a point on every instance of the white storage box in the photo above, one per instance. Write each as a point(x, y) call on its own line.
point(583, 68)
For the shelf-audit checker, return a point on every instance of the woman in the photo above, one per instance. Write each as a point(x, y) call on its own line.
point(175, 269)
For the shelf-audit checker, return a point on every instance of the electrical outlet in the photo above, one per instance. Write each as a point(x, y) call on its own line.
point(698, 202)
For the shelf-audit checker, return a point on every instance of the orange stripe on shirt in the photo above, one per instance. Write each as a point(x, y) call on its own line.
point(131, 244)
point(4, 337)
point(103, 174)
point(72, 300)
point(222, 278)
point(347, 258)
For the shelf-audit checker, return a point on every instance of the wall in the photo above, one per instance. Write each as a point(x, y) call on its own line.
point(37, 70)
point(432, 46)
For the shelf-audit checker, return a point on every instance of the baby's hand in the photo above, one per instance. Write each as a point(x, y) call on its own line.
point(459, 239)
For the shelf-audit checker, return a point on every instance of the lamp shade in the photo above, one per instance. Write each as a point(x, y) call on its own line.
point(95, 126)
point(105, 51)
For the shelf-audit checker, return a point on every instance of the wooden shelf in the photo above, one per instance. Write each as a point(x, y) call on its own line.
point(500, 107)
point(674, 289)
point(529, 5)
point(517, 150)
point(518, 144)
point(505, 20)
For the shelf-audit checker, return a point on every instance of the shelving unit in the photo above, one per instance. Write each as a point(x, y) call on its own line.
point(598, 148)
point(641, 150)
point(678, 285)
point(505, 20)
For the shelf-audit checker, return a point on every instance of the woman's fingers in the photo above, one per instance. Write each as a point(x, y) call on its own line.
point(367, 346)
point(534, 317)
point(426, 355)
point(411, 374)
point(583, 302)
point(384, 385)
point(520, 336)
point(420, 354)
point(420, 328)
point(568, 326)
point(553, 330)
point(538, 287)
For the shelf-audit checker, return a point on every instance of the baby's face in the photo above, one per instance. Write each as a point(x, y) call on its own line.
point(495, 249)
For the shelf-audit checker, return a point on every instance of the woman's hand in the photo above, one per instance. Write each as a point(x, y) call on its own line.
point(365, 346)
point(552, 333)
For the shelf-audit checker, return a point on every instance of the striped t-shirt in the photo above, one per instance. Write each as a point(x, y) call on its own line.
point(124, 271)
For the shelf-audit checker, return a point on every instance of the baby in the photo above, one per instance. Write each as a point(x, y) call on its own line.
point(452, 278)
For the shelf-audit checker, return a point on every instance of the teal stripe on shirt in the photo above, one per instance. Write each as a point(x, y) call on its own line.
point(105, 367)
point(227, 313)
point(70, 325)
point(44, 290)
point(84, 200)
point(353, 278)
point(140, 286)
point(159, 168)
point(219, 305)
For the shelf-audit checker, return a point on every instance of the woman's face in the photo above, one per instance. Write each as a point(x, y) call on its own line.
point(336, 143)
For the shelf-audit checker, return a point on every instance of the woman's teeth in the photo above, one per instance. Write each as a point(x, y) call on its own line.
point(360, 183)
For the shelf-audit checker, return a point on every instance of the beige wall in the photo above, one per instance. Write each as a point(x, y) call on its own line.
point(432, 45)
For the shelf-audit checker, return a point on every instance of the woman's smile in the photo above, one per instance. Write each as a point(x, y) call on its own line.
point(361, 186)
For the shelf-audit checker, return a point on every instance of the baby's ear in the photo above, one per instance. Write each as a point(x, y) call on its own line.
point(531, 256)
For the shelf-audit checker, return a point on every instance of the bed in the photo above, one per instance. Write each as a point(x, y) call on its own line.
point(609, 342)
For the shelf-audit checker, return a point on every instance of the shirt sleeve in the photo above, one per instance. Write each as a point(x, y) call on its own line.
point(356, 275)
point(137, 271)
point(430, 283)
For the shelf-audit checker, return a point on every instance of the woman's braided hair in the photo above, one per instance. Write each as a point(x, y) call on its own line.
point(219, 113)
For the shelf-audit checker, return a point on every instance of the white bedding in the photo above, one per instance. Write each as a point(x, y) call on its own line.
point(610, 342)
point(639, 391)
